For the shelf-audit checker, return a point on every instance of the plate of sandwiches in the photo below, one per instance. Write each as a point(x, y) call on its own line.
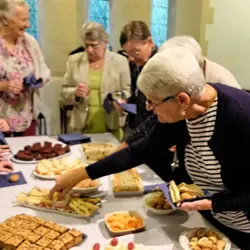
point(22, 232)
point(50, 169)
point(95, 151)
point(74, 206)
point(127, 183)
point(35, 152)
point(184, 192)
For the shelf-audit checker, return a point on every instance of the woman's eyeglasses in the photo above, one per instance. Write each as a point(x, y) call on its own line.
point(92, 45)
point(153, 105)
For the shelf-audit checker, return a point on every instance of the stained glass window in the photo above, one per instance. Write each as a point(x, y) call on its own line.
point(99, 11)
point(33, 18)
point(159, 21)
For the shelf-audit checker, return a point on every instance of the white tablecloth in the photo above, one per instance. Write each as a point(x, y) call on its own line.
point(162, 232)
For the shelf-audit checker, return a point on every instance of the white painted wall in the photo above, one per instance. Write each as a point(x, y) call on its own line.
point(229, 37)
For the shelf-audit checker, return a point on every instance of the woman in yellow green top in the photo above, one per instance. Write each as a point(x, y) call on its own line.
point(90, 77)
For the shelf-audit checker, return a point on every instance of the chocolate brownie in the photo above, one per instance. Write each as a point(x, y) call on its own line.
point(67, 148)
point(28, 148)
point(47, 144)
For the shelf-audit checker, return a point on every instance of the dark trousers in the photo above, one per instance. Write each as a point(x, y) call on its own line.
point(240, 239)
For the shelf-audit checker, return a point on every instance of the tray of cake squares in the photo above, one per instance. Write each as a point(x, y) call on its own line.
point(73, 205)
point(24, 232)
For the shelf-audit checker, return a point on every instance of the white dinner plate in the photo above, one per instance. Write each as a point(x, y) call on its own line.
point(88, 190)
point(44, 177)
point(36, 161)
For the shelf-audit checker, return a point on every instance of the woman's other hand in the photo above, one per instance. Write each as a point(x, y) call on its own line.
point(4, 126)
point(6, 166)
point(197, 205)
point(82, 90)
point(67, 181)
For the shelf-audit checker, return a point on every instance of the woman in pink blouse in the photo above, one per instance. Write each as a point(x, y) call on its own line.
point(20, 56)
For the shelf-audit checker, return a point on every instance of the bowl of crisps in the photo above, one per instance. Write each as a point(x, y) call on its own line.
point(156, 203)
point(204, 238)
point(124, 222)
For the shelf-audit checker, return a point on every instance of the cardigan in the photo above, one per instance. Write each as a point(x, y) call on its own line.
point(230, 144)
point(115, 80)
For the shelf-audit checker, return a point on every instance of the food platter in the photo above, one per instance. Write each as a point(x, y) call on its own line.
point(88, 190)
point(38, 199)
point(95, 151)
point(132, 220)
point(50, 169)
point(29, 232)
point(127, 183)
point(34, 152)
point(148, 203)
point(204, 234)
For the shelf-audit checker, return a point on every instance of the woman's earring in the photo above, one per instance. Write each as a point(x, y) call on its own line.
point(183, 112)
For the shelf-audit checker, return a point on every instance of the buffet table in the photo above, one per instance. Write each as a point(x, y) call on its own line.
point(162, 232)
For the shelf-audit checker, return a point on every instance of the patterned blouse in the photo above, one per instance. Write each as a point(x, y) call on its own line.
point(16, 63)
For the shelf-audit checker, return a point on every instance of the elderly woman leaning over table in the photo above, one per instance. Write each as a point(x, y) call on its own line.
point(90, 77)
point(20, 56)
point(209, 123)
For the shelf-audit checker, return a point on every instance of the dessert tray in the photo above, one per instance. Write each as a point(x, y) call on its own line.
point(38, 199)
point(40, 150)
point(116, 244)
point(24, 232)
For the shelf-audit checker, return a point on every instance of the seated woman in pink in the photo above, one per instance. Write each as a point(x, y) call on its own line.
point(20, 56)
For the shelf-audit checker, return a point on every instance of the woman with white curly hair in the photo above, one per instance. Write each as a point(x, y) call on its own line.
point(209, 123)
point(213, 72)
point(20, 57)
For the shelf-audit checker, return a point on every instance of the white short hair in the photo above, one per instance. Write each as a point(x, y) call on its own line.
point(171, 72)
point(93, 31)
point(188, 42)
point(6, 5)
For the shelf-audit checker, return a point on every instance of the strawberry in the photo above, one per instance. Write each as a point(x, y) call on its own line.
point(131, 246)
point(114, 242)
point(96, 246)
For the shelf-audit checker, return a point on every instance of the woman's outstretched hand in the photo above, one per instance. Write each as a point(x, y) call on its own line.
point(67, 181)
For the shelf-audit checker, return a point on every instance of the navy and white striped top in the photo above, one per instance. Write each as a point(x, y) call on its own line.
point(205, 170)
